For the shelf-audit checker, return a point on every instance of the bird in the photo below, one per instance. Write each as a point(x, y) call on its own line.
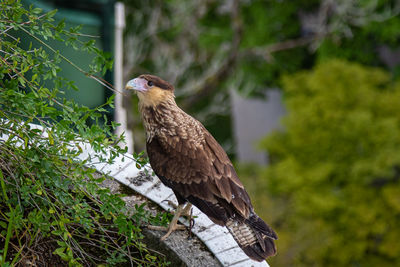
point(188, 159)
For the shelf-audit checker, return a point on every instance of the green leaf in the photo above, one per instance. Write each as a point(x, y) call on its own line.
point(36, 10)
point(3, 224)
point(51, 13)
point(59, 251)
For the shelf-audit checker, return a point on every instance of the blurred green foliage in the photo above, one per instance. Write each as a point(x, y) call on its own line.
point(332, 190)
point(189, 43)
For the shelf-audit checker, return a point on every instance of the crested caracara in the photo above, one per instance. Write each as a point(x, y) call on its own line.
point(187, 158)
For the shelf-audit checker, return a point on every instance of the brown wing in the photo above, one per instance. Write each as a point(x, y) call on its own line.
point(190, 161)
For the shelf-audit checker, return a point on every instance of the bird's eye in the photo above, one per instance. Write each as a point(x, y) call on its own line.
point(150, 83)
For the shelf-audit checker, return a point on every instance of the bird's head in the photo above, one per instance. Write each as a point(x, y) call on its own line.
point(151, 89)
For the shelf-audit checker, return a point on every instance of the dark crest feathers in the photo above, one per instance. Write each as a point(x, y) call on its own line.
point(158, 82)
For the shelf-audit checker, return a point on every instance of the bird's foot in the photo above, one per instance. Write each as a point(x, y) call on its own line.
point(174, 222)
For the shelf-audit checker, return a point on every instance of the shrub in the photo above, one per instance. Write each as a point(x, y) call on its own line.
point(51, 206)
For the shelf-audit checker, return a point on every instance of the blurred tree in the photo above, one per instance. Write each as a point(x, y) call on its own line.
point(334, 178)
point(206, 48)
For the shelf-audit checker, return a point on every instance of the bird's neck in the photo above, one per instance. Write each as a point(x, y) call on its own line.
point(160, 117)
point(154, 97)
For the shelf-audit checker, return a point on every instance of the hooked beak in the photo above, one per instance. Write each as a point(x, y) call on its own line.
point(137, 84)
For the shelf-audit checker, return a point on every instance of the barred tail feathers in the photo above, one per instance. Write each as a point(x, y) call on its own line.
point(254, 237)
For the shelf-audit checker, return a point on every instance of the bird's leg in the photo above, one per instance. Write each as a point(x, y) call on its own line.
point(181, 210)
point(187, 211)
point(173, 225)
